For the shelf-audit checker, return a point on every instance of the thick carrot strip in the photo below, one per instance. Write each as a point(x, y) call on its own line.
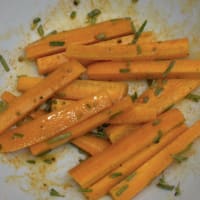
point(147, 51)
point(48, 64)
point(116, 132)
point(30, 100)
point(100, 165)
point(51, 124)
point(85, 35)
point(103, 186)
point(79, 89)
point(144, 70)
point(85, 126)
point(57, 104)
point(152, 168)
point(91, 144)
point(8, 97)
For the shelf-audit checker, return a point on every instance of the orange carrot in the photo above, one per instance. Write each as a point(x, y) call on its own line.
point(52, 124)
point(103, 186)
point(85, 126)
point(91, 144)
point(8, 97)
point(101, 164)
point(147, 51)
point(85, 35)
point(57, 104)
point(152, 168)
point(30, 100)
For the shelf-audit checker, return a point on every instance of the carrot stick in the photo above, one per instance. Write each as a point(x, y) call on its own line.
point(85, 126)
point(24, 104)
point(8, 97)
point(147, 51)
point(152, 168)
point(57, 104)
point(48, 64)
point(144, 70)
point(116, 132)
point(91, 144)
point(103, 186)
point(79, 89)
point(100, 165)
point(51, 124)
point(85, 35)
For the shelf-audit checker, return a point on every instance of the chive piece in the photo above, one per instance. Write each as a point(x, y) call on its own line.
point(76, 2)
point(177, 190)
point(4, 63)
point(169, 68)
point(115, 175)
point(116, 114)
point(164, 185)
point(40, 31)
point(139, 49)
point(158, 90)
point(193, 97)
point(55, 193)
point(88, 106)
point(133, 27)
point(59, 137)
point(3, 106)
point(92, 16)
point(100, 134)
point(85, 190)
point(121, 190)
point(31, 161)
point(17, 135)
point(168, 108)
point(128, 178)
point(73, 14)
point(44, 153)
point(51, 33)
point(134, 1)
point(156, 122)
point(124, 70)
point(134, 97)
point(35, 22)
point(56, 43)
point(101, 36)
point(145, 99)
point(49, 160)
point(151, 83)
point(139, 32)
point(157, 139)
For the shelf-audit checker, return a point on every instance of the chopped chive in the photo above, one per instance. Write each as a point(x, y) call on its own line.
point(4, 63)
point(177, 190)
point(101, 36)
point(169, 68)
point(17, 135)
point(76, 2)
point(85, 190)
point(151, 83)
point(145, 99)
point(59, 138)
point(100, 134)
point(156, 122)
point(116, 114)
point(51, 33)
point(18, 113)
point(3, 106)
point(193, 97)
point(56, 43)
point(134, 1)
point(124, 70)
point(134, 96)
point(44, 153)
point(73, 14)
point(164, 185)
point(88, 106)
point(139, 49)
point(49, 160)
point(31, 161)
point(55, 193)
point(121, 190)
point(92, 16)
point(40, 30)
point(157, 139)
point(139, 32)
point(35, 22)
point(158, 91)
point(115, 175)
point(128, 178)
point(133, 27)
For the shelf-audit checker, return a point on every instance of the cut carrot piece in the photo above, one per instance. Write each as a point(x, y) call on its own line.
point(144, 70)
point(116, 132)
point(152, 168)
point(85, 35)
point(57, 104)
point(106, 183)
point(85, 126)
point(146, 51)
point(91, 144)
point(49, 125)
point(79, 89)
point(116, 154)
point(30, 100)
point(8, 97)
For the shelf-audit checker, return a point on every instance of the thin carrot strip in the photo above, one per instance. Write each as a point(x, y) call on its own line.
point(116, 154)
point(103, 186)
point(30, 100)
point(8, 97)
point(57, 104)
point(152, 168)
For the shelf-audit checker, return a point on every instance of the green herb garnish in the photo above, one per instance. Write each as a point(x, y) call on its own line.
point(116, 114)
point(134, 96)
point(115, 174)
point(55, 193)
point(139, 49)
point(156, 122)
point(56, 43)
point(73, 14)
point(59, 138)
point(164, 185)
point(134, 1)
point(169, 68)
point(101, 36)
point(121, 190)
point(124, 70)
point(4, 63)
point(44, 153)
point(76, 2)
point(35, 23)
point(85, 190)
point(31, 161)
point(3, 106)
point(193, 97)
point(51, 33)
point(40, 31)
point(128, 178)
point(100, 134)
point(17, 135)
point(139, 32)
point(177, 190)
point(49, 160)
point(88, 106)
point(157, 139)
point(158, 90)
point(133, 27)
point(145, 99)
point(92, 16)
